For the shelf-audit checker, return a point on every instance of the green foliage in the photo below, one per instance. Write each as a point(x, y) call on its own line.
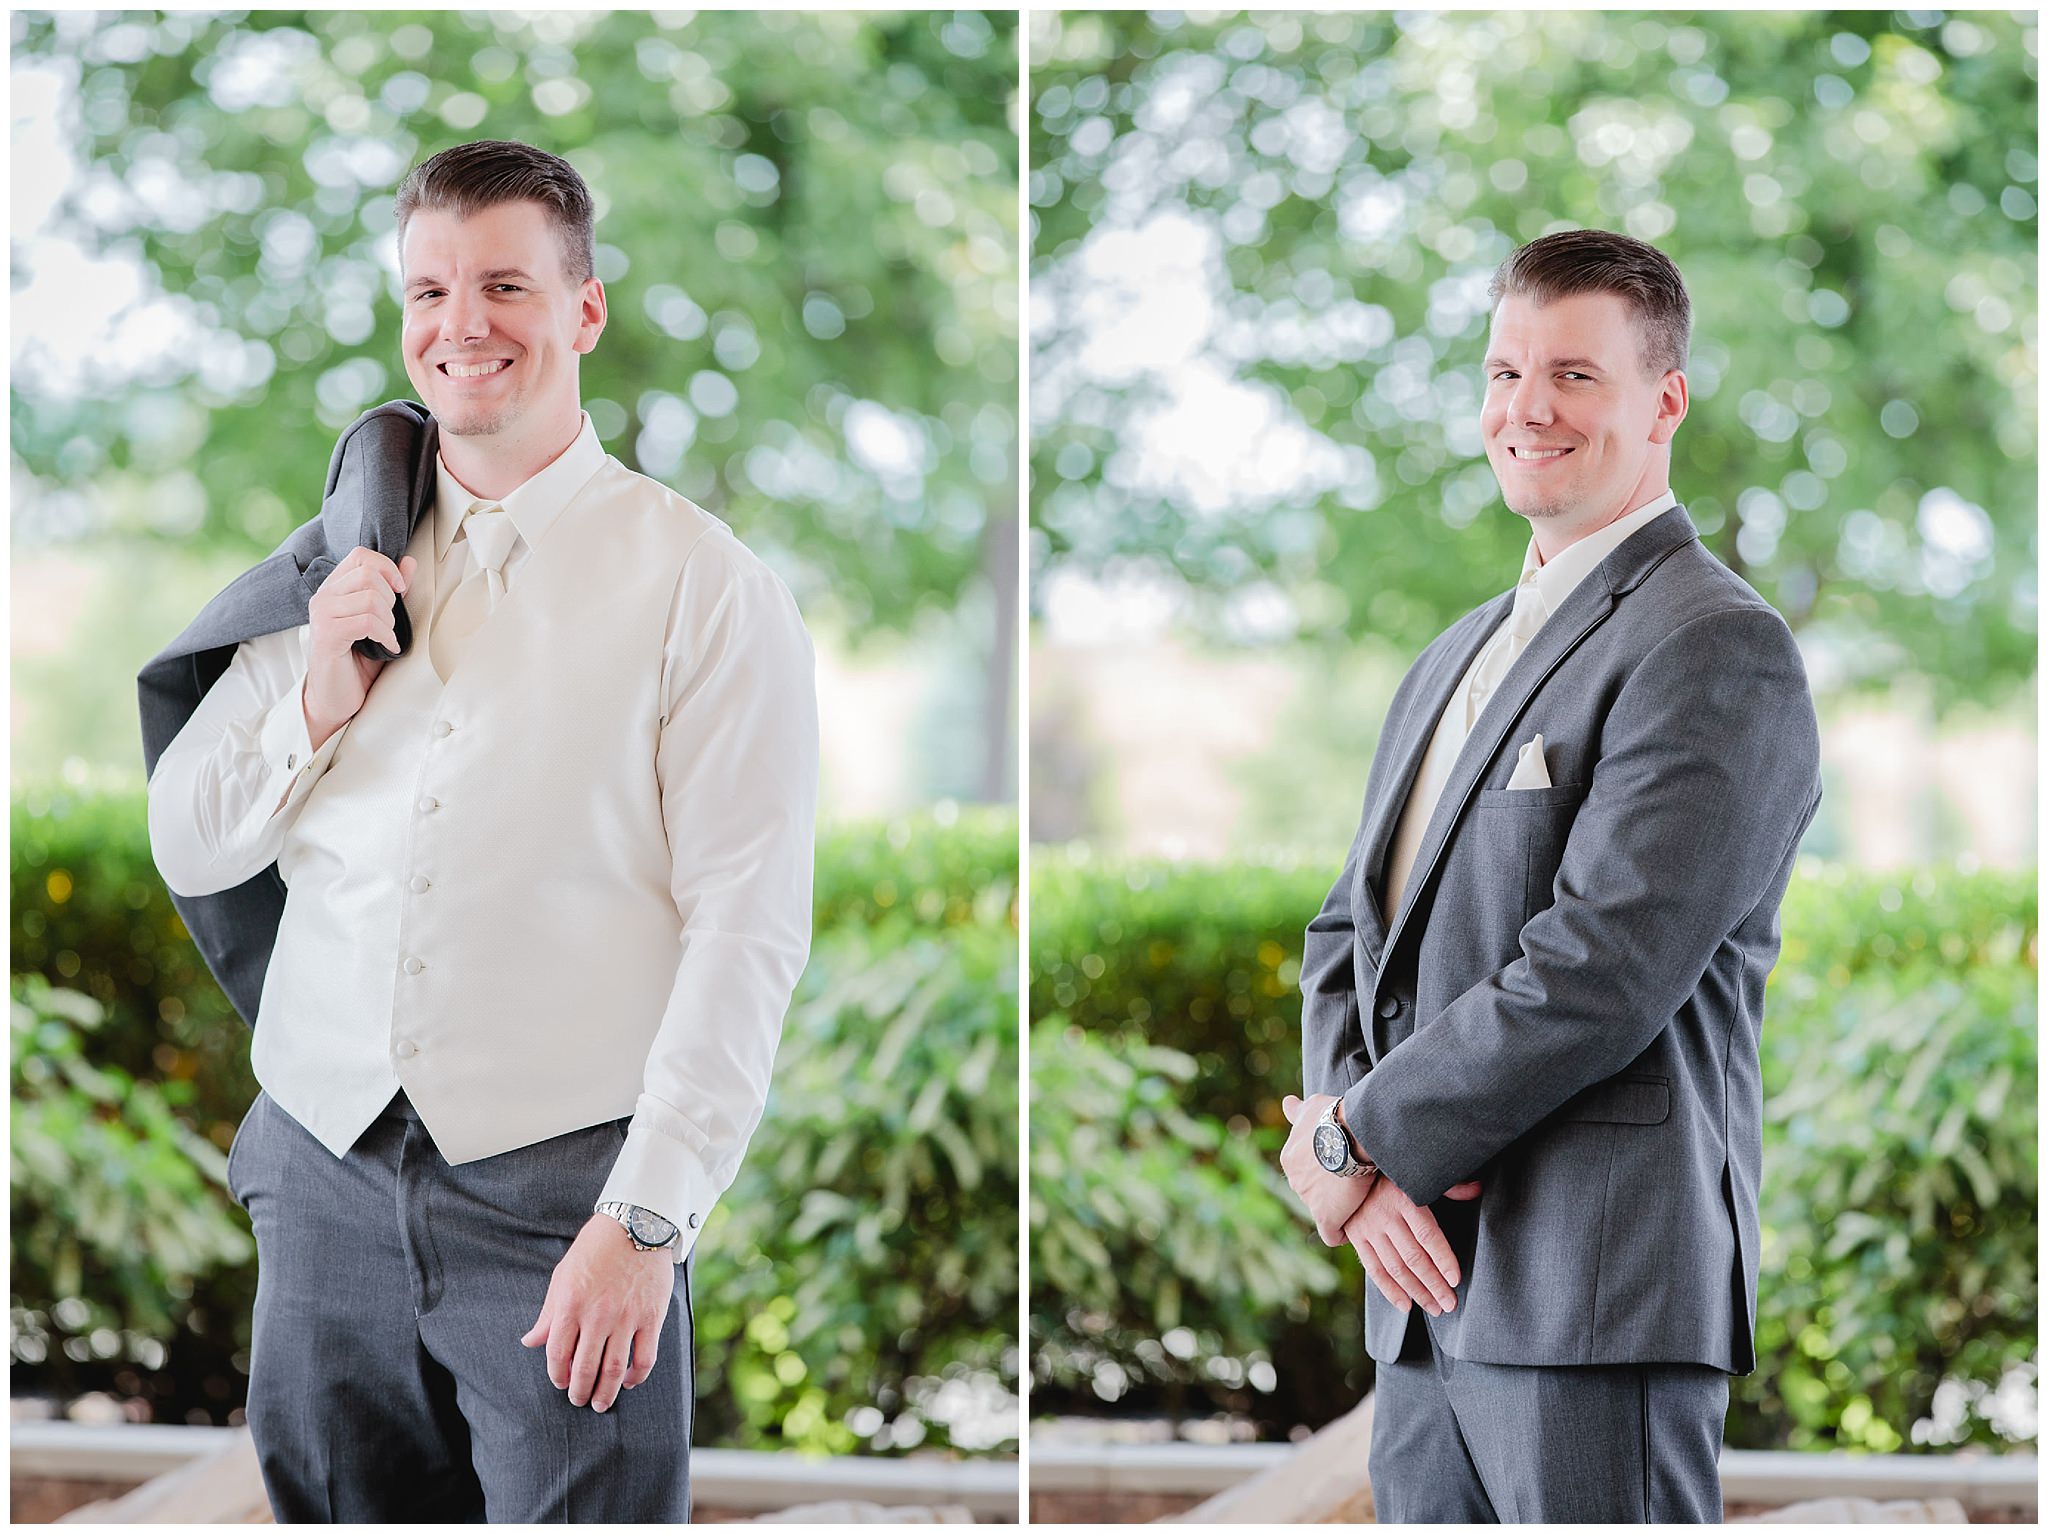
point(856, 1287)
point(117, 1194)
point(866, 1259)
point(1900, 1176)
point(1158, 1238)
point(1851, 196)
point(807, 233)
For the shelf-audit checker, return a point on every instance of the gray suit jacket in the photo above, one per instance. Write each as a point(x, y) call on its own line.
point(379, 480)
point(1569, 1003)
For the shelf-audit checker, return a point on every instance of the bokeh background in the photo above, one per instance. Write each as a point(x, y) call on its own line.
point(807, 233)
point(1260, 251)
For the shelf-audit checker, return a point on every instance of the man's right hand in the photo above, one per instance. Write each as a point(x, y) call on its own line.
point(354, 602)
point(1404, 1250)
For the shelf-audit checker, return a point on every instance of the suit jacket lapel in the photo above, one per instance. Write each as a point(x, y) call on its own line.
point(1401, 752)
point(1583, 611)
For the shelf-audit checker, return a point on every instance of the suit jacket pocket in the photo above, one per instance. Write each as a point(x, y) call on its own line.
point(1523, 830)
point(1529, 798)
point(1629, 1099)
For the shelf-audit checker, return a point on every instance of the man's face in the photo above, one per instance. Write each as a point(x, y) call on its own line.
point(491, 289)
point(1574, 425)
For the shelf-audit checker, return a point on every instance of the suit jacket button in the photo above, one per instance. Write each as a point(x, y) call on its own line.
point(1390, 1007)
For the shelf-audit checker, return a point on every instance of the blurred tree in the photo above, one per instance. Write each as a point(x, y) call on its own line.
point(1261, 252)
point(807, 232)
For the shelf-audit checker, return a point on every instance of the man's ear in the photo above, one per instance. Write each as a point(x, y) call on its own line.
point(590, 324)
point(1672, 400)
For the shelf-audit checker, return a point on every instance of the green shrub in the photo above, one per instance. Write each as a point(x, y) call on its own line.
point(856, 1284)
point(1899, 1165)
point(1156, 1235)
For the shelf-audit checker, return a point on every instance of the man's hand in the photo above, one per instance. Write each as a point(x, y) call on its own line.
point(1329, 1199)
point(356, 601)
point(1404, 1250)
point(606, 1302)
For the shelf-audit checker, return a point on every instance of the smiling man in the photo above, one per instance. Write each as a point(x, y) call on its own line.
point(548, 891)
point(1532, 1000)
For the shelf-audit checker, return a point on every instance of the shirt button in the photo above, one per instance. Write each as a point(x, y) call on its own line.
point(419, 882)
point(428, 803)
point(442, 727)
point(291, 761)
point(1390, 1006)
point(407, 1049)
point(693, 1222)
point(413, 966)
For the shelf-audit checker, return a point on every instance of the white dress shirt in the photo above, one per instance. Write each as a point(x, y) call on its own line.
point(1539, 592)
point(566, 882)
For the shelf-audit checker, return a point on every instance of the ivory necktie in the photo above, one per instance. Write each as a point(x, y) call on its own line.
point(1522, 625)
point(488, 532)
point(1453, 725)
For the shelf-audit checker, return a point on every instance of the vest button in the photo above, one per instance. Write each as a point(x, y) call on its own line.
point(428, 803)
point(413, 966)
point(1390, 1007)
point(419, 883)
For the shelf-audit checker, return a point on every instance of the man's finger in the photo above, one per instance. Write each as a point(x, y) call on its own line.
point(1398, 1268)
point(646, 1342)
point(537, 1334)
point(561, 1351)
point(611, 1372)
point(1376, 1270)
point(1420, 1262)
point(1291, 1106)
point(1463, 1190)
point(1436, 1248)
point(583, 1373)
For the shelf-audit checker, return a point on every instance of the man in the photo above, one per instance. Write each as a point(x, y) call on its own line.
point(1532, 999)
point(549, 881)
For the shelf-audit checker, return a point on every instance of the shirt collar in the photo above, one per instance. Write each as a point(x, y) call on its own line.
point(1556, 578)
point(532, 507)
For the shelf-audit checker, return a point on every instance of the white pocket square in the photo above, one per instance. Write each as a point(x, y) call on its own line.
point(1529, 769)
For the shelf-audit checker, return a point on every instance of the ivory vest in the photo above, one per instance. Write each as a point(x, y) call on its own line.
point(505, 950)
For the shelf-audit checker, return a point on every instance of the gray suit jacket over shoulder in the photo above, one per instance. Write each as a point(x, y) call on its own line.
point(1569, 1002)
point(379, 480)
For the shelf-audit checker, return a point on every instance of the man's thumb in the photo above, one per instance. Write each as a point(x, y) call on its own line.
point(1291, 1106)
point(1463, 1190)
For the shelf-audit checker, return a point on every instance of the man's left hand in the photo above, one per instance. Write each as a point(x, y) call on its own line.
point(603, 1314)
point(1330, 1199)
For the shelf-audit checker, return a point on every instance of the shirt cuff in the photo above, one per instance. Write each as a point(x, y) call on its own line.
point(287, 748)
point(663, 1175)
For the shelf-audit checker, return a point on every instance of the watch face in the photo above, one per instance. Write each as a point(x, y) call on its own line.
point(1330, 1148)
point(650, 1229)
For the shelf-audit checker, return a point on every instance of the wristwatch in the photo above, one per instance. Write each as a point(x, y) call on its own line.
point(1334, 1150)
point(648, 1231)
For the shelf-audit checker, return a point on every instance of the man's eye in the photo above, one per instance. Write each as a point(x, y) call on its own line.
point(1504, 373)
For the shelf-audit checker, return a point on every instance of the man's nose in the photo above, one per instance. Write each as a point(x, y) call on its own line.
point(464, 318)
point(1529, 402)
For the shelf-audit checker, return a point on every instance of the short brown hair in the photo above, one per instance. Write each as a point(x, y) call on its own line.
point(1594, 261)
point(468, 178)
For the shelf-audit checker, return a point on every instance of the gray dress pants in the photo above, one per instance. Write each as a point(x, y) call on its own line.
point(1461, 1442)
point(387, 1382)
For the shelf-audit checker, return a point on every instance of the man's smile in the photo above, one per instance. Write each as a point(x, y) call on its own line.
point(1534, 455)
point(472, 370)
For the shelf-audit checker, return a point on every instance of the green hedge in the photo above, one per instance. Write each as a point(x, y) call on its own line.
point(856, 1285)
point(1900, 1180)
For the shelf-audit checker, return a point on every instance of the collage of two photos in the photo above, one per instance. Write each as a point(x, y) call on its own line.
point(1024, 766)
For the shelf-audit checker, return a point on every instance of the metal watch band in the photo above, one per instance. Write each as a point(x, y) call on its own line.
point(1355, 1165)
point(624, 1214)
